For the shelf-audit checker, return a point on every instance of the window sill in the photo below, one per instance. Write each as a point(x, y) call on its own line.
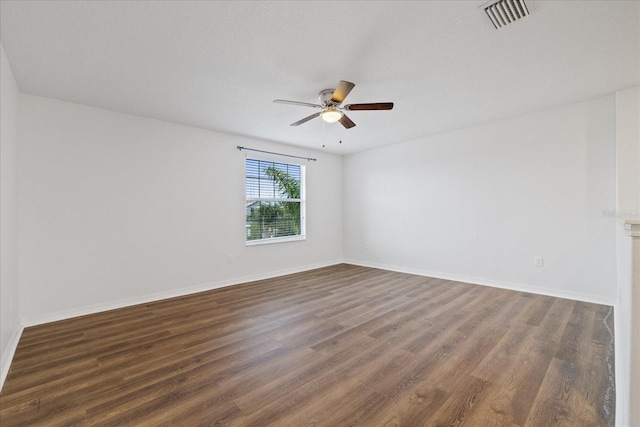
point(275, 240)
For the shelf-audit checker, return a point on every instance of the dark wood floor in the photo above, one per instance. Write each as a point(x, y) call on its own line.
point(337, 346)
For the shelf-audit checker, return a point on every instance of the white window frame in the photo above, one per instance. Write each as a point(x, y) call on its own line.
point(301, 200)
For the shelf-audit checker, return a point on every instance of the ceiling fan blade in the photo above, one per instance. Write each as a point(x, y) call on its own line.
point(371, 106)
point(304, 104)
point(341, 92)
point(346, 122)
point(306, 119)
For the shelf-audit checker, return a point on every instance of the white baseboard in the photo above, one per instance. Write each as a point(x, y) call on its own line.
point(9, 352)
point(96, 308)
point(144, 299)
point(487, 282)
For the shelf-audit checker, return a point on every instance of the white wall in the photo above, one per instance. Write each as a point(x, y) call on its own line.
point(116, 209)
point(477, 204)
point(9, 286)
point(627, 208)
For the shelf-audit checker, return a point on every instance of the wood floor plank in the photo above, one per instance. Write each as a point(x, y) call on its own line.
point(504, 354)
point(461, 403)
point(417, 409)
point(552, 327)
point(356, 401)
point(452, 354)
point(552, 406)
point(523, 380)
point(305, 396)
point(577, 332)
point(336, 346)
point(323, 363)
point(539, 310)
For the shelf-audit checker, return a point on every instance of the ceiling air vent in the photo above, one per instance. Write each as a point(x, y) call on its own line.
point(503, 12)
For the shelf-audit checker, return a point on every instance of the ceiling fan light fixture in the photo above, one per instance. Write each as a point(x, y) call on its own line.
point(331, 115)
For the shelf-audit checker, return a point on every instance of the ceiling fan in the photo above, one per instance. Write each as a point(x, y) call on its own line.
point(330, 100)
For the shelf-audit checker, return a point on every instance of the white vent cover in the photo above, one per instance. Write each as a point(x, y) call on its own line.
point(503, 12)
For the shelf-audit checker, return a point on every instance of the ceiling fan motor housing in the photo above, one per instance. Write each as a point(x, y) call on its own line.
point(325, 97)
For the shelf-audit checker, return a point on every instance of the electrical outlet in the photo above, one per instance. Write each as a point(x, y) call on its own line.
point(229, 259)
point(538, 261)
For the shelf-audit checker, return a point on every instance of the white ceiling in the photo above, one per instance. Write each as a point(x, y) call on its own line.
point(219, 65)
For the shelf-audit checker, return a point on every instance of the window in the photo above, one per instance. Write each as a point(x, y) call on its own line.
point(275, 208)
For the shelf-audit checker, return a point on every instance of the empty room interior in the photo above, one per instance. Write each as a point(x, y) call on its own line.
point(327, 213)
